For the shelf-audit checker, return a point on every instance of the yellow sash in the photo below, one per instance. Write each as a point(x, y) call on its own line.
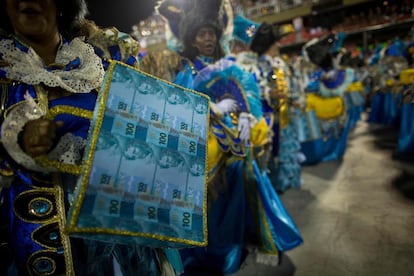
point(325, 108)
point(260, 133)
point(407, 76)
point(214, 153)
point(355, 87)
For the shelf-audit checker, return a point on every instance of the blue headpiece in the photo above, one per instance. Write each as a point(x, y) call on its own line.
point(244, 29)
point(396, 49)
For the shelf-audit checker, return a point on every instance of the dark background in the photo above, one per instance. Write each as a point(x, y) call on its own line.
point(120, 13)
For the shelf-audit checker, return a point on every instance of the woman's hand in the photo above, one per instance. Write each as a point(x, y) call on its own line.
point(38, 136)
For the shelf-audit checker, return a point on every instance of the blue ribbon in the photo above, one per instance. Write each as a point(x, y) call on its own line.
point(20, 46)
point(74, 64)
point(115, 52)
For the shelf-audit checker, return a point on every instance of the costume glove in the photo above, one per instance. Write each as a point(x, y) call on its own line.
point(226, 106)
point(244, 127)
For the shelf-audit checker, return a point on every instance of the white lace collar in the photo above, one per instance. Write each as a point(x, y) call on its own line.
point(26, 66)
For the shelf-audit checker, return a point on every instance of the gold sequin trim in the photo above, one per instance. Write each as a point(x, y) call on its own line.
point(60, 204)
point(67, 168)
point(61, 109)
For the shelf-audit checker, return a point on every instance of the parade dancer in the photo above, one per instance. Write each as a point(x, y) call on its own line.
point(47, 108)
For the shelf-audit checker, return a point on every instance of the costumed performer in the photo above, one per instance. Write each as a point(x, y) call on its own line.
point(281, 101)
point(354, 95)
point(243, 34)
point(325, 97)
point(385, 104)
point(236, 134)
point(406, 79)
point(46, 113)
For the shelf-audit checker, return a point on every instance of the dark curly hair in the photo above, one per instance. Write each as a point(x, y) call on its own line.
point(202, 14)
point(70, 15)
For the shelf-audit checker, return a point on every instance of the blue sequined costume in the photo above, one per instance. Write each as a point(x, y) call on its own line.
point(406, 133)
point(34, 201)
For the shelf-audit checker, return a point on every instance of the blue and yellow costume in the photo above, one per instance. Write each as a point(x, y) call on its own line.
point(328, 104)
point(354, 101)
point(271, 75)
point(224, 252)
point(286, 140)
point(386, 102)
point(357, 93)
point(325, 97)
point(240, 195)
point(406, 134)
point(241, 206)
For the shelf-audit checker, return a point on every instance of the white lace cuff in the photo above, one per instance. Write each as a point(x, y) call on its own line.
point(12, 125)
point(69, 150)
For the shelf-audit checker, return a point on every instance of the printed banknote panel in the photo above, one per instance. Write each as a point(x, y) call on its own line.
point(146, 162)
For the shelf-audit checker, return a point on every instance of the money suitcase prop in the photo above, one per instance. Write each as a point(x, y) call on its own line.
point(144, 175)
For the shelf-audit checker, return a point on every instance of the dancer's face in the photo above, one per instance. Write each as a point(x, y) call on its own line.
point(34, 19)
point(205, 41)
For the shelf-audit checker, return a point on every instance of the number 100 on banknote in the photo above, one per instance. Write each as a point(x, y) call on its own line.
point(144, 177)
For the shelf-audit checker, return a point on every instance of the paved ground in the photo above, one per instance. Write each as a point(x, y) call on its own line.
point(356, 215)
